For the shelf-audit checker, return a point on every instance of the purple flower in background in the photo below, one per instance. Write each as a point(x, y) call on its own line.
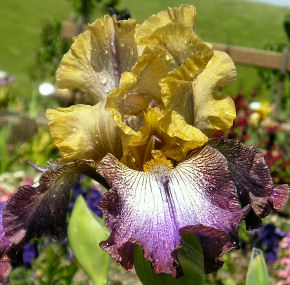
point(10, 79)
point(268, 237)
point(6, 80)
point(92, 195)
point(30, 252)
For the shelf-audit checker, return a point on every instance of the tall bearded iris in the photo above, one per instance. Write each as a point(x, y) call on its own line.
point(155, 98)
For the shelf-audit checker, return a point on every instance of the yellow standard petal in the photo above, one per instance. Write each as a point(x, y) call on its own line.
point(183, 47)
point(184, 14)
point(137, 88)
point(163, 131)
point(138, 146)
point(214, 110)
point(84, 132)
point(98, 57)
point(178, 96)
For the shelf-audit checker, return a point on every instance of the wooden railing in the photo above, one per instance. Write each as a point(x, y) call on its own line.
point(255, 57)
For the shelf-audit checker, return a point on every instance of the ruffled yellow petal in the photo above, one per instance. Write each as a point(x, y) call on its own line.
point(184, 14)
point(98, 57)
point(84, 132)
point(149, 69)
point(137, 88)
point(162, 131)
point(138, 147)
point(177, 95)
point(191, 136)
point(199, 103)
point(116, 99)
point(183, 47)
point(180, 42)
point(214, 110)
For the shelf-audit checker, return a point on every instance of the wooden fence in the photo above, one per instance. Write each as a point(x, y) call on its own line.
point(256, 57)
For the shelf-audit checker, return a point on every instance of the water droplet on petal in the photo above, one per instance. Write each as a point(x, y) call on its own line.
point(104, 80)
point(122, 43)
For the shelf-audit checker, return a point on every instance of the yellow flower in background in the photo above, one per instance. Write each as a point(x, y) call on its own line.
point(265, 109)
point(261, 111)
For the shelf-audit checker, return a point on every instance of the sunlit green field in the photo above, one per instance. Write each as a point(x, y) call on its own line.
point(223, 21)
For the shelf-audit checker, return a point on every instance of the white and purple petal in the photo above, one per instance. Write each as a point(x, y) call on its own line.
point(253, 180)
point(154, 209)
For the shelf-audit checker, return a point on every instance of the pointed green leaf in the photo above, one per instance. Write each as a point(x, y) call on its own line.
point(257, 271)
point(85, 232)
point(190, 257)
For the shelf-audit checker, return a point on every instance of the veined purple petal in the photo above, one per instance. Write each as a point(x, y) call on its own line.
point(151, 208)
point(5, 245)
point(253, 180)
point(215, 244)
point(40, 209)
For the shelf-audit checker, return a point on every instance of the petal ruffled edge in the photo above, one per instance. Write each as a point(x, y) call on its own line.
point(253, 180)
point(137, 89)
point(213, 110)
point(129, 210)
point(84, 132)
point(41, 209)
point(185, 14)
point(98, 57)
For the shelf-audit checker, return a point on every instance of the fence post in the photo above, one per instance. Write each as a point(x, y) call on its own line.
point(280, 87)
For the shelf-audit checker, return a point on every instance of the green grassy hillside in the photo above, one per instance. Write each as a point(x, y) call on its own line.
point(224, 21)
point(20, 26)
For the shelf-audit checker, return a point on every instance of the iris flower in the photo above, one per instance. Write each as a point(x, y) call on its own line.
point(155, 100)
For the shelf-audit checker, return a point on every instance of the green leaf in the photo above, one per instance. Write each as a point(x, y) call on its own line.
point(190, 257)
point(257, 271)
point(85, 232)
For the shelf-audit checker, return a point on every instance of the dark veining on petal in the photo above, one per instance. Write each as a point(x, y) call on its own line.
point(164, 183)
point(40, 209)
point(149, 208)
point(253, 180)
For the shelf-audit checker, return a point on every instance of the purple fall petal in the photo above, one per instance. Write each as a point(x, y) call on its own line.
point(214, 243)
point(40, 209)
point(253, 180)
point(150, 208)
point(5, 268)
point(279, 196)
point(5, 245)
